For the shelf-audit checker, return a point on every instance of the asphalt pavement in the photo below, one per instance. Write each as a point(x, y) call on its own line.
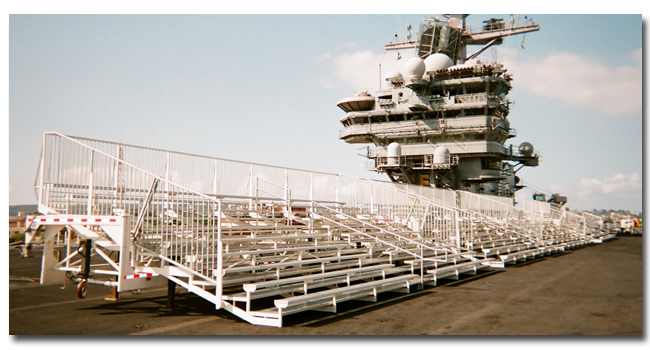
point(595, 290)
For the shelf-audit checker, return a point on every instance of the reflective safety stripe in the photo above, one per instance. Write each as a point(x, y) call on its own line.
point(75, 220)
point(140, 275)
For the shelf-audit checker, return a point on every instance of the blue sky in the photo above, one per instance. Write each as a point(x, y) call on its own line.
point(263, 88)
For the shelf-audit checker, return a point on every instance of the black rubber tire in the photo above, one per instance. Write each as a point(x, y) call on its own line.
point(81, 290)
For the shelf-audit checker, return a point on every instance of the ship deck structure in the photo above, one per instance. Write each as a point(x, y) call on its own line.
point(264, 242)
point(444, 120)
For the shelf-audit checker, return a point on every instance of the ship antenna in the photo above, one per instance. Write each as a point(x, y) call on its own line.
point(379, 76)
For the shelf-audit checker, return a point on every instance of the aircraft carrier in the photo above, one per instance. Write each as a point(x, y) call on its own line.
point(264, 243)
point(443, 121)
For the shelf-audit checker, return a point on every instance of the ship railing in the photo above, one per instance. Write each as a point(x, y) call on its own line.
point(471, 98)
point(480, 97)
point(370, 153)
point(425, 161)
point(369, 165)
point(513, 150)
point(398, 161)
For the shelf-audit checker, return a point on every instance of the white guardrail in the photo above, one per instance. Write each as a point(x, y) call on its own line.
point(86, 176)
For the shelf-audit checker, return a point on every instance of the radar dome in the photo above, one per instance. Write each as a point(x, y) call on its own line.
point(415, 67)
point(394, 152)
point(441, 155)
point(437, 61)
point(526, 149)
point(394, 77)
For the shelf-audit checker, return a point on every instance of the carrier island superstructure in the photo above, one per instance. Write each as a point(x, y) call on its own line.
point(443, 121)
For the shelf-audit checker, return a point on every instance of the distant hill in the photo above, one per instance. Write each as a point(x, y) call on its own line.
point(27, 209)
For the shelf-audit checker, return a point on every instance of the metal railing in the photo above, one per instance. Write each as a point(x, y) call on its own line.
point(203, 174)
point(176, 197)
point(83, 176)
point(182, 209)
point(175, 225)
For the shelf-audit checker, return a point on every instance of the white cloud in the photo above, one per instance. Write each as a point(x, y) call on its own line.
point(359, 70)
point(618, 184)
point(573, 79)
point(576, 80)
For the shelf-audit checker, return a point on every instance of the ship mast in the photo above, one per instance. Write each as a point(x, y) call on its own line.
point(451, 36)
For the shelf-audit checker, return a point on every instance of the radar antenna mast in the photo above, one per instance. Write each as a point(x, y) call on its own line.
point(454, 42)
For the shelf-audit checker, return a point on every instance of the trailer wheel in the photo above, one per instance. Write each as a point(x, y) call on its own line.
point(81, 290)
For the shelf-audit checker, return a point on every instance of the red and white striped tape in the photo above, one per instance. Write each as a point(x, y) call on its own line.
point(141, 275)
point(90, 220)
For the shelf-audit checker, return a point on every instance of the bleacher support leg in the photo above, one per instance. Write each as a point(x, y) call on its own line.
point(171, 291)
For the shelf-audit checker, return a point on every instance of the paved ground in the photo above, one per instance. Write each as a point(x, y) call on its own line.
point(593, 290)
